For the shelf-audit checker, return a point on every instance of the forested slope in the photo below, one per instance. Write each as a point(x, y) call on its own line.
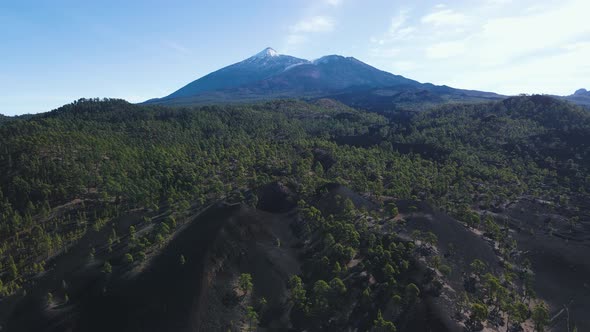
point(73, 171)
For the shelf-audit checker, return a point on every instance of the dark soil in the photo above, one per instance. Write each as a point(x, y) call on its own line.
point(459, 246)
point(164, 297)
point(559, 255)
point(275, 197)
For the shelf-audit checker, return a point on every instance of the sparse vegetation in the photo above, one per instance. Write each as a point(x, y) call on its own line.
point(245, 283)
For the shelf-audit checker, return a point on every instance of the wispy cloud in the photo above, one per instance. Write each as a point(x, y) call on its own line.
point(505, 39)
point(398, 29)
point(510, 48)
point(445, 17)
point(301, 31)
point(398, 21)
point(314, 24)
point(178, 48)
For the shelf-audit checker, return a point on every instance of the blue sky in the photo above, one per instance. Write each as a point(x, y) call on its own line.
point(54, 52)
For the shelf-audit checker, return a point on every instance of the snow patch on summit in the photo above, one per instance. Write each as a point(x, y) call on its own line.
point(267, 52)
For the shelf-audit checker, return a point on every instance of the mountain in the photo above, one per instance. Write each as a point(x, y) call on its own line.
point(258, 67)
point(580, 97)
point(268, 75)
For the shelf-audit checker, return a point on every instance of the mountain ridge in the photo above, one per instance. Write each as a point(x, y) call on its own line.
point(579, 97)
point(270, 75)
point(259, 66)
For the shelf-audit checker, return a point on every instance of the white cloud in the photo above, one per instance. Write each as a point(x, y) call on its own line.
point(507, 38)
point(314, 24)
point(301, 32)
point(404, 33)
point(560, 73)
point(445, 17)
point(398, 22)
point(503, 46)
point(398, 29)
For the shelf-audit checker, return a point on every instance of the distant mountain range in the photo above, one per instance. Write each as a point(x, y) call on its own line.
point(269, 75)
point(580, 97)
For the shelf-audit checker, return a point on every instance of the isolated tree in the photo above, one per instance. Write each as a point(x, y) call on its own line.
point(540, 316)
point(107, 268)
point(445, 270)
point(416, 235)
point(479, 312)
point(262, 302)
point(516, 312)
point(298, 293)
point(132, 232)
point(321, 291)
point(338, 286)
point(412, 293)
point(436, 261)
point(478, 267)
point(492, 284)
point(337, 269)
point(128, 258)
point(252, 316)
point(383, 325)
point(388, 271)
point(245, 283)
point(182, 260)
point(393, 209)
point(430, 238)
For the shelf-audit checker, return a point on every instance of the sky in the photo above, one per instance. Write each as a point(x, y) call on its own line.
point(55, 52)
